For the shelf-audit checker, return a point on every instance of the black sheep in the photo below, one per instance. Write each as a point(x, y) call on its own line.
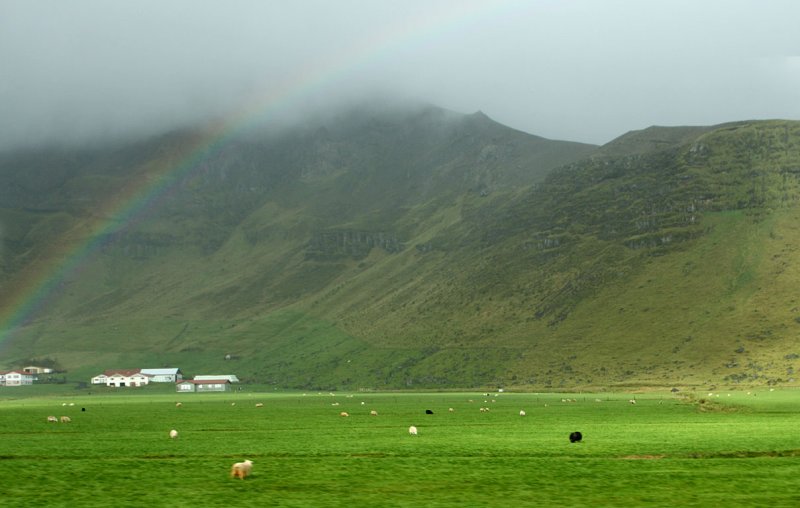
point(428, 412)
point(574, 437)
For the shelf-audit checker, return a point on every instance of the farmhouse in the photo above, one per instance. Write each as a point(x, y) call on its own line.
point(15, 378)
point(205, 385)
point(121, 377)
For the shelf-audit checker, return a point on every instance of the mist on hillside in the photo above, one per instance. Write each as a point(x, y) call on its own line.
point(89, 71)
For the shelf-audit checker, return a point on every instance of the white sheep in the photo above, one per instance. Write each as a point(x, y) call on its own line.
point(52, 419)
point(66, 419)
point(259, 404)
point(178, 404)
point(373, 413)
point(412, 430)
point(451, 410)
point(522, 412)
point(632, 401)
point(173, 433)
point(343, 413)
point(241, 469)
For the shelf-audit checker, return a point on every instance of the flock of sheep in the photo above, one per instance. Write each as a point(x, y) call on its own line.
point(243, 469)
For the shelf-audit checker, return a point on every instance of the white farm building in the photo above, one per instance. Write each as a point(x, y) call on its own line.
point(121, 377)
point(15, 378)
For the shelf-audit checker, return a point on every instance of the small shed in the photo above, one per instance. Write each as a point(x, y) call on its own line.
point(186, 386)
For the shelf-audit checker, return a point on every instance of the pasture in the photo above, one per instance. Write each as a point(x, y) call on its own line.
point(665, 450)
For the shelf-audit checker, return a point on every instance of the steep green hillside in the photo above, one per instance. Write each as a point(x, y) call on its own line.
point(264, 222)
point(425, 249)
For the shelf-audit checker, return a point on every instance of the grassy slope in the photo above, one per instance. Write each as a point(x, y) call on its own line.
point(673, 266)
point(666, 450)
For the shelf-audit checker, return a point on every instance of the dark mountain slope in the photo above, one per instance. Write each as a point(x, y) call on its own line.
point(268, 221)
point(423, 248)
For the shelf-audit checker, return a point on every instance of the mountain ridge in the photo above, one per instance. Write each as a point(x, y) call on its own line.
point(443, 250)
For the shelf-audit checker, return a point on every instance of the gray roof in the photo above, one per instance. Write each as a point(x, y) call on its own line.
point(230, 377)
point(160, 372)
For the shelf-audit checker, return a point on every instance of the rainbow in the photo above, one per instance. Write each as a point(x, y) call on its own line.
point(32, 290)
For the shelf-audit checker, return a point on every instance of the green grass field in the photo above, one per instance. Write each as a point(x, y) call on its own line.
point(731, 450)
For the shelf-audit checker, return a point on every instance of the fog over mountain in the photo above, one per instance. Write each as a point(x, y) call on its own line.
point(76, 71)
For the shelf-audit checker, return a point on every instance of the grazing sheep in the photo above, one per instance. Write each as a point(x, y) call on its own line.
point(233, 403)
point(574, 437)
point(632, 401)
point(52, 419)
point(412, 430)
point(178, 404)
point(173, 433)
point(522, 412)
point(451, 410)
point(66, 419)
point(241, 469)
point(259, 404)
point(343, 413)
point(373, 413)
point(428, 412)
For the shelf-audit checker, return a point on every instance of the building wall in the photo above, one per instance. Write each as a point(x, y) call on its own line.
point(16, 379)
point(120, 381)
point(213, 387)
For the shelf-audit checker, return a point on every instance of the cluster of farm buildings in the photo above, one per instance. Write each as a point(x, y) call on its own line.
point(119, 378)
point(140, 377)
point(23, 376)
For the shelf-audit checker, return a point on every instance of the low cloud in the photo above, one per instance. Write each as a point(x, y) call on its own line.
point(76, 71)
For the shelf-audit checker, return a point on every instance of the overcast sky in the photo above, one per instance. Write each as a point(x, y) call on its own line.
point(581, 70)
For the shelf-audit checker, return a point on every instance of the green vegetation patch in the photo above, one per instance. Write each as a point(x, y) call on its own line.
point(660, 451)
